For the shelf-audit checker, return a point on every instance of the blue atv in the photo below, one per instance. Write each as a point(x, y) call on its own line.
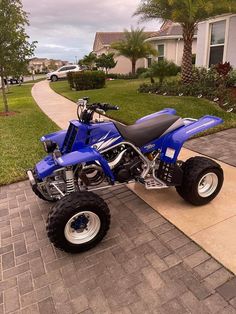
point(95, 154)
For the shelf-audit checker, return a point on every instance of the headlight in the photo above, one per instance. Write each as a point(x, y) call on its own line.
point(49, 146)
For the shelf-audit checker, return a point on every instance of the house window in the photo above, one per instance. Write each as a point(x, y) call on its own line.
point(160, 50)
point(217, 42)
point(149, 62)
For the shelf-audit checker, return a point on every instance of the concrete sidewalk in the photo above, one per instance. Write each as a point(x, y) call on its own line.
point(56, 107)
point(212, 226)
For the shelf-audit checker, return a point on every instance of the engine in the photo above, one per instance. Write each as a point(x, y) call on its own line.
point(125, 163)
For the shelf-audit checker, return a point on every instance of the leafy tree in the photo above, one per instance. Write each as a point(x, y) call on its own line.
point(106, 61)
point(188, 13)
point(14, 45)
point(163, 69)
point(134, 46)
point(89, 60)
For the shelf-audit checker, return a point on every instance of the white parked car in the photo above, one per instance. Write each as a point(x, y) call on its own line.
point(62, 72)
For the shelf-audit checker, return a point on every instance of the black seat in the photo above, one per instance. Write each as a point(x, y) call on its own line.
point(147, 131)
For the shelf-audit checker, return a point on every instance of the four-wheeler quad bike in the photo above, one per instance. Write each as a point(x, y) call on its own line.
point(98, 154)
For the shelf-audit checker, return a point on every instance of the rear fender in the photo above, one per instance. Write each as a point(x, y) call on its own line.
point(85, 155)
point(156, 114)
point(57, 137)
point(174, 141)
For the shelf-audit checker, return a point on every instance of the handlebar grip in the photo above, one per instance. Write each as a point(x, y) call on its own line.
point(110, 107)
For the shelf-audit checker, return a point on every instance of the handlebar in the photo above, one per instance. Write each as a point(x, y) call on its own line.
point(102, 106)
point(86, 111)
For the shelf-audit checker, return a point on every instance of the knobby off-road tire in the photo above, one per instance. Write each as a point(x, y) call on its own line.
point(69, 210)
point(40, 195)
point(195, 171)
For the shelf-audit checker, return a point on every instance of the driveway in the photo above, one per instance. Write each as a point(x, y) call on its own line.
point(144, 265)
point(211, 226)
point(221, 146)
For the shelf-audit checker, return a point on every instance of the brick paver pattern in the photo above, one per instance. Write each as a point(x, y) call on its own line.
point(221, 146)
point(144, 265)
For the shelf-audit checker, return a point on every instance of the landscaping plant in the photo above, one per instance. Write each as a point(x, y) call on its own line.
point(86, 80)
point(163, 69)
point(212, 84)
point(88, 61)
point(134, 46)
point(106, 61)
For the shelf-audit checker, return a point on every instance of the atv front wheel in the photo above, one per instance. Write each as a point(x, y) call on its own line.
point(202, 180)
point(78, 222)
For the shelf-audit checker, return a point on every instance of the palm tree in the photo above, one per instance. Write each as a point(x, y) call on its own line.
point(188, 13)
point(134, 46)
point(89, 60)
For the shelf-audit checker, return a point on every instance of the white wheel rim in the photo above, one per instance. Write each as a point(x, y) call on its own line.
point(207, 184)
point(85, 235)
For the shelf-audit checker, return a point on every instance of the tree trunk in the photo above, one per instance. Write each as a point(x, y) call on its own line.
point(4, 96)
point(7, 85)
point(186, 71)
point(133, 66)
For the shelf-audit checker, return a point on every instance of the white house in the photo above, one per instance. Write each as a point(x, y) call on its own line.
point(169, 43)
point(102, 44)
point(216, 41)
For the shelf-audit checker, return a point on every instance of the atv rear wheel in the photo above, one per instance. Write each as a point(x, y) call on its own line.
point(78, 222)
point(202, 180)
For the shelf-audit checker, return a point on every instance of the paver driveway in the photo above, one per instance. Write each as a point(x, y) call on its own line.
point(144, 265)
point(221, 145)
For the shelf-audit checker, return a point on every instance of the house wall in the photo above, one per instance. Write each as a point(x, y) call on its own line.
point(203, 41)
point(173, 49)
point(201, 45)
point(231, 46)
point(123, 65)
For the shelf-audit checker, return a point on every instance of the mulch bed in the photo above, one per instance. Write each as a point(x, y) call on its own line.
point(9, 113)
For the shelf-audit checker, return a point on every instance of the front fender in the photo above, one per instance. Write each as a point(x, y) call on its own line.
point(85, 155)
point(57, 137)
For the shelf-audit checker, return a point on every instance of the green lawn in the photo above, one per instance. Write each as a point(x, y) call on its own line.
point(20, 148)
point(134, 105)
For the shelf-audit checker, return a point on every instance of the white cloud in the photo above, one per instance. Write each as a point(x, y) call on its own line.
point(66, 28)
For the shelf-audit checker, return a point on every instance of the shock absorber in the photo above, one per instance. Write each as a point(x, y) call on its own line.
point(70, 183)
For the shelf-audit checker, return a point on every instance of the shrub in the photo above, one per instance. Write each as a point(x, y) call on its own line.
point(231, 80)
point(117, 76)
point(206, 77)
point(86, 80)
point(141, 71)
point(163, 69)
point(176, 89)
point(211, 84)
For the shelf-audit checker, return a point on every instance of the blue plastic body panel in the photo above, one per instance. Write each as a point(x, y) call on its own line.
point(175, 140)
point(45, 167)
point(57, 137)
point(85, 155)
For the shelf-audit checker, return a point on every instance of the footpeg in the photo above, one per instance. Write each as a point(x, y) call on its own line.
point(151, 184)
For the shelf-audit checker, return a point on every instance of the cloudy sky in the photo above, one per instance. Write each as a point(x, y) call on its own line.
point(65, 29)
